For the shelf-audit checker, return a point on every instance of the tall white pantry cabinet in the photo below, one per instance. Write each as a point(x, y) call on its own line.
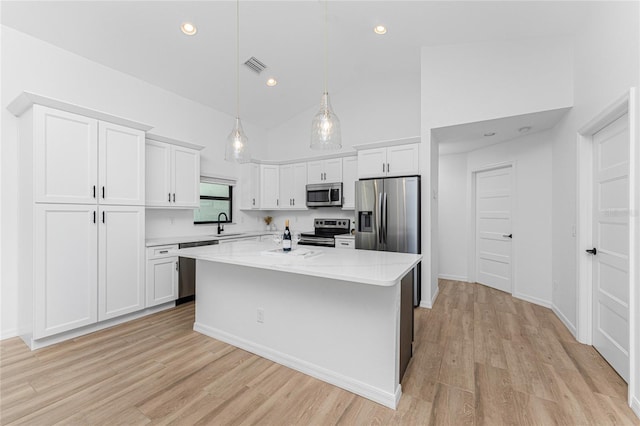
point(81, 218)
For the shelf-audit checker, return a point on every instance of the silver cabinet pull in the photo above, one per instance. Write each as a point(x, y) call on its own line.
point(163, 251)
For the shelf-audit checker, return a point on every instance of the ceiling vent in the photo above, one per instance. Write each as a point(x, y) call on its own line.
point(255, 65)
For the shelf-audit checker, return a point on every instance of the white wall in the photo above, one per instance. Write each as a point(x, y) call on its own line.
point(482, 81)
point(32, 65)
point(377, 107)
point(606, 66)
point(452, 217)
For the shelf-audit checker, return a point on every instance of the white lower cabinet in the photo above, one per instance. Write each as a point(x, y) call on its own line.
point(65, 291)
point(88, 265)
point(121, 261)
point(162, 275)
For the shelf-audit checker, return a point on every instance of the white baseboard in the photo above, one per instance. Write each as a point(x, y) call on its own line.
point(61, 337)
point(565, 320)
point(8, 334)
point(635, 406)
point(429, 303)
point(532, 299)
point(453, 277)
point(352, 385)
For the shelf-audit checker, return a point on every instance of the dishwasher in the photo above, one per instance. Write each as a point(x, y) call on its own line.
point(187, 274)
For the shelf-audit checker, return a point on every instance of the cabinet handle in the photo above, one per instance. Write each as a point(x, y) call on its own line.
point(344, 244)
point(253, 202)
point(169, 197)
point(163, 251)
point(94, 191)
point(176, 266)
point(382, 167)
point(103, 217)
point(387, 167)
point(174, 197)
point(94, 216)
point(294, 201)
point(277, 202)
point(103, 192)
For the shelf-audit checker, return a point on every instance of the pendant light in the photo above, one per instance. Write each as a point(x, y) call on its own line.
point(325, 127)
point(237, 147)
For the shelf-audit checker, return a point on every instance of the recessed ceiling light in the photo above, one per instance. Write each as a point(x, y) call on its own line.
point(271, 82)
point(188, 28)
point(490, 134)
point(524, 129)
point(380, 29)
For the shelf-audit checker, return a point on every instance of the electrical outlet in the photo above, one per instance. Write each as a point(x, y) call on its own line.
point(260, 315)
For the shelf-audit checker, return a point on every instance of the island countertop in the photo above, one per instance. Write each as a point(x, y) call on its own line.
point(361, 266)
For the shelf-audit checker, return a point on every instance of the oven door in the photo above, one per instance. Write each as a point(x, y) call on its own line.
point(324, 194)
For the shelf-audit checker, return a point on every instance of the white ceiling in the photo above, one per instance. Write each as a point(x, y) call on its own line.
point(470, 136)
point(142, 38)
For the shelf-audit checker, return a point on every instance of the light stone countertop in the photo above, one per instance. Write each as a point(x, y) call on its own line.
point(361, 266)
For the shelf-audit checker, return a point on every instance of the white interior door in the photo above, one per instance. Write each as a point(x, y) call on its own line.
point(493, 228)
point(611, 241)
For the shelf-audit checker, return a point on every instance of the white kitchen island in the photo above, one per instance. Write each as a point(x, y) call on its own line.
point(335, 316)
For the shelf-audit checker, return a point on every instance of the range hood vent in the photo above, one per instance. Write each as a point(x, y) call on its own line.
point(255, 65)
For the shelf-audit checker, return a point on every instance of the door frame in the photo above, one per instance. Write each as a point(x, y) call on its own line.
point(472, 268)
point(584, 221)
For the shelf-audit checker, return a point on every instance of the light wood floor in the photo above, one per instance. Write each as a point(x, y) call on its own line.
point(481, 357)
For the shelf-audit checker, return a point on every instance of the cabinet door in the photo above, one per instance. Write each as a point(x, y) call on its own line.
point(333, 170)
point(65, 156)
point(121, 165)
point(162, 281)
point(287, 185)
point(121, 261)
point(315, 172)
point(158, 174)
point(65, 268)
point(249, 186)
point(299, 190)
point(372, 163)
point(403, 160)
point(186, 177)
point(349, 177)
point(269, 186)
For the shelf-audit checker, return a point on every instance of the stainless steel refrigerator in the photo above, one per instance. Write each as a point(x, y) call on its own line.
point(388, 218)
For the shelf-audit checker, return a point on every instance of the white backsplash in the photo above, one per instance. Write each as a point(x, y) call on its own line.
point(162, 223)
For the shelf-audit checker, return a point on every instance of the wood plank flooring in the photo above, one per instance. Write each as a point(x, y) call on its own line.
point(480, 357)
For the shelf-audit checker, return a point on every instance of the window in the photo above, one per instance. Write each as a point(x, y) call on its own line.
point(215, 198)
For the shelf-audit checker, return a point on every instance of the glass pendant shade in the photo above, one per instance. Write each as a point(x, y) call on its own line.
point(325, 127)
point(237, 145)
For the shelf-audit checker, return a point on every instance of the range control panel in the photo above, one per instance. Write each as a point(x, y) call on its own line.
point(332, 224)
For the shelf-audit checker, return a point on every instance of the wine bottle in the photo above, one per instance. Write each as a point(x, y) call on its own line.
point(286, 238)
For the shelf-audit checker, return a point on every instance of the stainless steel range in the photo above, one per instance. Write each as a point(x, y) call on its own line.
point(325, 230)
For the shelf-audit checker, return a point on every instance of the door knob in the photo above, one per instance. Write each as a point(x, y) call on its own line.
point(593, 251)
point(507, 235)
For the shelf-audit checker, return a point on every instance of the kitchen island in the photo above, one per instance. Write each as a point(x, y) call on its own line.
point(342, 316)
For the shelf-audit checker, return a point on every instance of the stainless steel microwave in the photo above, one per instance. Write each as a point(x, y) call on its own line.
point(324, 194)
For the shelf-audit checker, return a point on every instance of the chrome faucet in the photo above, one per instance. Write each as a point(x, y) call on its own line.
point(220, 226)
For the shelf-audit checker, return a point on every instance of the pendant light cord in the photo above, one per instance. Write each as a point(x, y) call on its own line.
point(326, 45)
point(237, 58)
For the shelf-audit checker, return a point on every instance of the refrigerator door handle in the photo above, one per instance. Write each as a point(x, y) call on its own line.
point(380, 218)
point(384, 218)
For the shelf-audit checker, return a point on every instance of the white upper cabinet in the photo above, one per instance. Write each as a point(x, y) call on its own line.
point(398, 160)
point(403, 160)
point(121, 165)
point(65, 156)
point(349, 177)
point(172, 175)
point(293, 182)
point(121, 254)
point(324, 171)
point(81, 160)
point(269, 186)
point(249, 186)
point(186, 177)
